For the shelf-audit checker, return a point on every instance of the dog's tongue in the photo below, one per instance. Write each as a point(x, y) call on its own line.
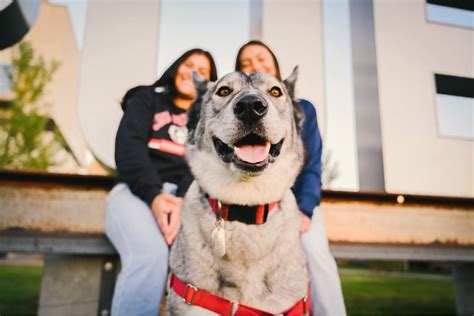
point(252, 153)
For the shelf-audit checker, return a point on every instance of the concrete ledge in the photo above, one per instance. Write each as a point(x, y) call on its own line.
point(81, 244)
point(57, 244)
point(53, 213)
point(403, 252)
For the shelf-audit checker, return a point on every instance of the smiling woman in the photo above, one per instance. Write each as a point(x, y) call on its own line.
point(326, 295)
point(151, 170)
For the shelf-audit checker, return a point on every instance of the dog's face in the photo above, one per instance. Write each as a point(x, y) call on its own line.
point(243, 143)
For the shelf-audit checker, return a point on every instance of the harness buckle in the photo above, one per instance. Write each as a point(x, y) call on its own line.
point(185, 295)
point(234, 308)
point(305, 306)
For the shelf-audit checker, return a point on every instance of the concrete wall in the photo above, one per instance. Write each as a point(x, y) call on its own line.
point(409, 51)
point(120, 51)
point(117, 55)
point(293, 29)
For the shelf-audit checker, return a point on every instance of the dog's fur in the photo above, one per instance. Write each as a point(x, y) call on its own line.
point(264, 265)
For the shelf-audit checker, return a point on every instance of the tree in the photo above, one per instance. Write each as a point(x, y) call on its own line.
point(27, 139)
point(329, 169)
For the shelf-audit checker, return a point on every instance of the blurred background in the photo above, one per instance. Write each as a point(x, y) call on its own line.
point(392, 82)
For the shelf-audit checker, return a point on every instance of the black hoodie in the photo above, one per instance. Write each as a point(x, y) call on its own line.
point(149, 147)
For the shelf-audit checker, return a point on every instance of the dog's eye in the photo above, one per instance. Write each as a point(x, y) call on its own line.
point(275, 92)
point(224, 91)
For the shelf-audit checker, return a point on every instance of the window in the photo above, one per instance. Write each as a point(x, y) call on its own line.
point(451, 12)
point(455, 106)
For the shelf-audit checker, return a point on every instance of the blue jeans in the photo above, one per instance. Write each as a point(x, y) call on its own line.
point(132, 228)
point(326, 292)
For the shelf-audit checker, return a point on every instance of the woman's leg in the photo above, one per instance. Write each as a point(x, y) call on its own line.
point(131, 226)
point(326, 292)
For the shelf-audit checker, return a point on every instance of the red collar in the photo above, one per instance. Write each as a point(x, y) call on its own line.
point(246, 214)
point(194, 296)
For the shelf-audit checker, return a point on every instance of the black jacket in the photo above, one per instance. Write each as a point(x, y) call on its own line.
point(149, 147)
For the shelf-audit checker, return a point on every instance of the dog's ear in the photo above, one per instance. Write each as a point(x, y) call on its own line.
point(290, 82)
point(194, 114)
point(200, 83)
point(298, 115)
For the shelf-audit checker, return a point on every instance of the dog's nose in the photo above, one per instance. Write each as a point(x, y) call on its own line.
point(250, 109)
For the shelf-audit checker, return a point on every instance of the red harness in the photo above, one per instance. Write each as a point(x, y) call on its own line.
point(194, 296)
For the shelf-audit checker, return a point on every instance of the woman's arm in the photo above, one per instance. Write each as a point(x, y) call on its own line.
point(307, 188)
point(135, 166)
point(131, 147)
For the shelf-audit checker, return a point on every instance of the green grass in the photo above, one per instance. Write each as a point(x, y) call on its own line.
point(19, 289)
point(365, 292)
point(376, 293)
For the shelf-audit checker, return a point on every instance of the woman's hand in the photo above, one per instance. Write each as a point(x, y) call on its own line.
point(305, 223)
point(167, 211)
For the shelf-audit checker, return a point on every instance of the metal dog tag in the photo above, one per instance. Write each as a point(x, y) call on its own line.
point(218, 238)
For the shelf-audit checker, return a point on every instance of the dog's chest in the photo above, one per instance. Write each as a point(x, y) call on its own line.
point(262, 262)
point(273, 282)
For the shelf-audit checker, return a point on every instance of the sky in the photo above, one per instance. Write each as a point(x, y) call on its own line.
point(176, 36)
point(198, 30)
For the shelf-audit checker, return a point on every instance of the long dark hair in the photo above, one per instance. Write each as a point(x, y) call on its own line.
point(167, 79)
point(238, 65)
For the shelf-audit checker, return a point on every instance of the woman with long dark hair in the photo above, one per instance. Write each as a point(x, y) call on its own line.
point(143, 210)
point(326, 293)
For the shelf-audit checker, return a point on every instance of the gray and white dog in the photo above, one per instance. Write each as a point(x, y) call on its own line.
point(243, 148)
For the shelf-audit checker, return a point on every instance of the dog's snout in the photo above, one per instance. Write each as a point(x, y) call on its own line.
point(250, 109)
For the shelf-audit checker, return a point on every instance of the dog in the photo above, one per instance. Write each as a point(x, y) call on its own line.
point(245, 151)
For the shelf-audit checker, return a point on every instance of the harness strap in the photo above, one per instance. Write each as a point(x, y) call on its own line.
point(194, 296)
